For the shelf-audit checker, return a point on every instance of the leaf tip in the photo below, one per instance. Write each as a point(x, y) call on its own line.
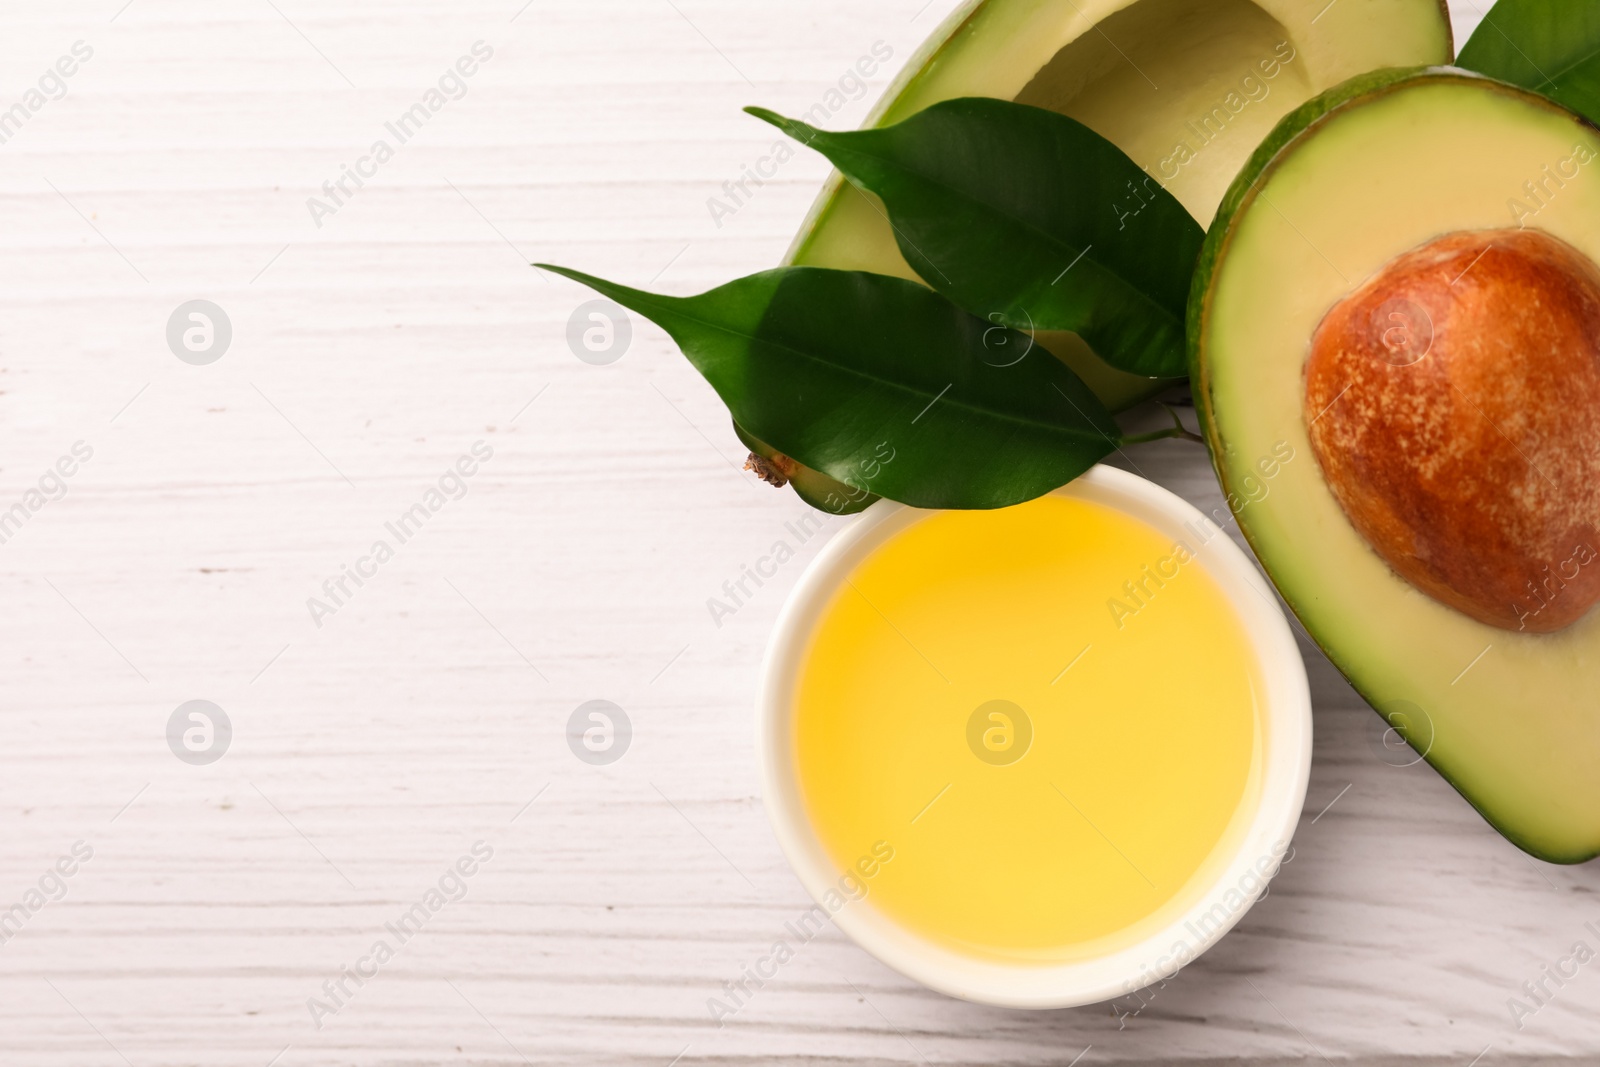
point(794, 128)
point(568, 272)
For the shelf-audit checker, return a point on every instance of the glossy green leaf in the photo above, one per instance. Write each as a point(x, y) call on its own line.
point(1549, 46)
point(884, 385)
point(1029, 218)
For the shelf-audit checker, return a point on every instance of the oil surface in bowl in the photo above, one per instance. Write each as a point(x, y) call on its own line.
point(1027, 731)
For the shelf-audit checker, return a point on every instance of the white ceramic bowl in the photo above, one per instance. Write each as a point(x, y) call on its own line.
point(1230, 883)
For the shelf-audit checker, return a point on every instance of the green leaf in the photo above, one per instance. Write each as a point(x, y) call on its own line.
point(1021, 213)
point(1549, 46)
point(884, 385)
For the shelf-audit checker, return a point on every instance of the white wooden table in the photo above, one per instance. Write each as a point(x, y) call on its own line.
point(428, 712)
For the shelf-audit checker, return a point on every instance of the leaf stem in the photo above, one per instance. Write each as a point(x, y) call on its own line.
point(1177, 430)
point(1162, 435)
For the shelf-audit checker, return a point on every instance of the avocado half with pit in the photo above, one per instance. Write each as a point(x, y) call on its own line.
point(1395, 343)
point(1186, 87)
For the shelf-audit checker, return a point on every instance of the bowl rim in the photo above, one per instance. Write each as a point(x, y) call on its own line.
point(1285, 768)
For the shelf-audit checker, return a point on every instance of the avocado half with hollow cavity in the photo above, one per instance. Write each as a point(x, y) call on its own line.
point(1186, 87)
point(1400, 295)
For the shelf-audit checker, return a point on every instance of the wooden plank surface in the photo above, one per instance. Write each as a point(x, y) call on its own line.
point(427, 713)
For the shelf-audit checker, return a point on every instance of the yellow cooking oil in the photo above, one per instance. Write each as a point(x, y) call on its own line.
point(1030, 733)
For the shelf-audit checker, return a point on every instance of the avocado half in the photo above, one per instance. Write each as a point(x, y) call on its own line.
point(1152, 76)
point(1391, 168)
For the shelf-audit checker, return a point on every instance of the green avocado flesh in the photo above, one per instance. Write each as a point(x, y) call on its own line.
point(1346, 184)
point(1186, 87)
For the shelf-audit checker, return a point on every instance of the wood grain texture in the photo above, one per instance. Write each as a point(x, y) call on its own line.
point(372, 752)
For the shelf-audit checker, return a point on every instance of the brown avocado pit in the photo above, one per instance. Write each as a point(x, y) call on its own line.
point(1453, 404)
